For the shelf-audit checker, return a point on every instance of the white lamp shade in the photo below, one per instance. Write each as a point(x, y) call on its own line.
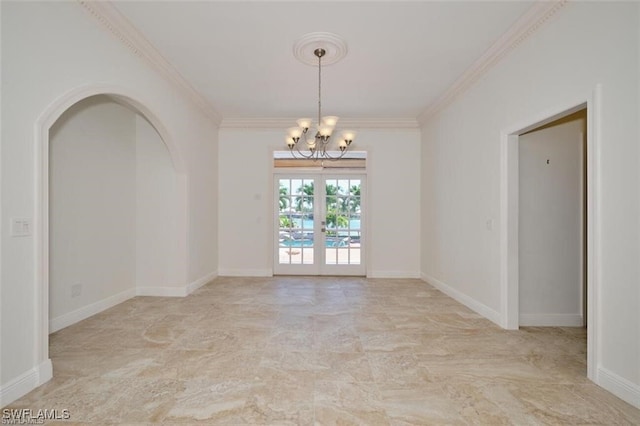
point(330, 120)
point(290, 141)
point(304, 123)
point(325, 130)
point(348, 135)
point(294, 132)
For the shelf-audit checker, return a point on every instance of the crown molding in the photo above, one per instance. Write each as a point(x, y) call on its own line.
point(118, 25)
point(522, 29)
point(354, 123)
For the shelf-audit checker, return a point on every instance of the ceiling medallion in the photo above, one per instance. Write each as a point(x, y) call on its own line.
point(323, 47)
point(334, 46)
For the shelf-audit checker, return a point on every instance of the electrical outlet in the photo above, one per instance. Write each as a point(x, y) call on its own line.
point(76, 290)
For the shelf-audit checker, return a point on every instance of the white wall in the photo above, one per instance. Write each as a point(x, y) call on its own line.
point(246, 208)
point(156, 212)
point(584, 45)
point(92, 205)
point(638, 186)
point(51, 50)
point(551, 224)
point(245, 211)
point(393, 201)
point(202, 213)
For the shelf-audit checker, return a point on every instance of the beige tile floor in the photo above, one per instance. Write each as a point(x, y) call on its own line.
point(328, 351)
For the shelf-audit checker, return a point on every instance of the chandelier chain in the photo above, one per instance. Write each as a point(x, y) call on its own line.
point(319, 87)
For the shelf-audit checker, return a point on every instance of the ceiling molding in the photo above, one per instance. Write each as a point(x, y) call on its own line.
point(522, 29)
point(335, 48)
point(116, 23)
point(284, 123)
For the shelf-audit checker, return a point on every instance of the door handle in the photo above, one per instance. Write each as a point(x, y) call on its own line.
point(323, 229)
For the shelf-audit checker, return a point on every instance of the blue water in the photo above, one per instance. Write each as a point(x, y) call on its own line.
point(309, 243)
point(354, 224)
point(301, 234)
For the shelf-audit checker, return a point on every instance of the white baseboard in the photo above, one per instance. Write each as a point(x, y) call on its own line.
point(551, 320)
point(619, 386)
point(201, 281)
point(245, 273)
point(161, 291)
point(25, 383)
point(393, 274)
point(176, 291)
point(468, 301)
point(85, 312)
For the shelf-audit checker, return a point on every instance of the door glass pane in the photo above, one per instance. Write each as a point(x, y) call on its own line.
point(343, 214)
point(295, 221)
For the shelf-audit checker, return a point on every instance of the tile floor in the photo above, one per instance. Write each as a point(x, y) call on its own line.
point(306, 351)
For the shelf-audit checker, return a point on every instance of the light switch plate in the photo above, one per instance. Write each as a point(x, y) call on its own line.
point(20, 227)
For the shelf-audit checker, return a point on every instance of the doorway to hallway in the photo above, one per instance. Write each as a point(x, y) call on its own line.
point(586, 305)
point(552, 223)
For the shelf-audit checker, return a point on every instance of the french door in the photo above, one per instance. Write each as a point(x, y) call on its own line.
point(319, 224)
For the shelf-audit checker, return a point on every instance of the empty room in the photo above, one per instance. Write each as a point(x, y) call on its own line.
point(320, 212)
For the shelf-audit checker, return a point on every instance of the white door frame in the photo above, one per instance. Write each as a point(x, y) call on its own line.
point(509, 174)
point(318, 268)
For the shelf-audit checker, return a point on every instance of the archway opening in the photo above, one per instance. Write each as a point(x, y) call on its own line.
point(112, 210)
point(117, 172)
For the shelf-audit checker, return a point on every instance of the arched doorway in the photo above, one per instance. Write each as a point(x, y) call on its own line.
point(123, 98)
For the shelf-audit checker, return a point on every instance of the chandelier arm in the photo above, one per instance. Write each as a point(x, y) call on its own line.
point(299, 156)
point(316, 155)
point(303, 156)
point(327, 156)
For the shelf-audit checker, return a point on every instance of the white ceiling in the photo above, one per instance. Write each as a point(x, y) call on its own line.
point(402, 55)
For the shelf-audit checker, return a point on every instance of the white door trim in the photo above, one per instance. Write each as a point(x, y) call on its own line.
point(509, 218)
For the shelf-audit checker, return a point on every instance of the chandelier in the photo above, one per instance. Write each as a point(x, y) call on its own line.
point(317, 144)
